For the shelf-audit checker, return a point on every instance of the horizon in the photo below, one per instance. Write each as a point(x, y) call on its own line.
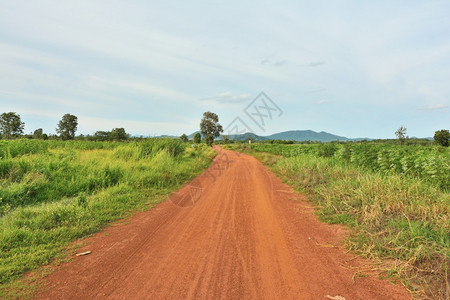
point(346, 68)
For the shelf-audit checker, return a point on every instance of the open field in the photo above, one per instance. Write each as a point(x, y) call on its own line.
point(396, 199)
point(244, 238)
point(54, 192)
point(242, 235)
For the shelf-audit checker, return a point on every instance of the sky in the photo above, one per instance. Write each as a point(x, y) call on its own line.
point(351, 68)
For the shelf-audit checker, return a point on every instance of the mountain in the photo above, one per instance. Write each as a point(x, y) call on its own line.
point(167, 136)
point(246, 136)
point(237, 137)
point(292, 135)
point(307, 135)
point(191, 136)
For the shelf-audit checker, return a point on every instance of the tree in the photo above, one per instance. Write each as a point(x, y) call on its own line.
point(118, 134)
point(401, 134)
point(210, 127)
point(67, 127)
point(11, 125)
point(184, 138)
point(37, 134)
point(225, 139)
point(197, 138)
point(102, 135)
point(442, 137)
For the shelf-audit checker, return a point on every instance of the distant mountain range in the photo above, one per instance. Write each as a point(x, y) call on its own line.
point(292, 135)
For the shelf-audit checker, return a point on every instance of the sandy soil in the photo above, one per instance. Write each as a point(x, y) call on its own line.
point(235, 232)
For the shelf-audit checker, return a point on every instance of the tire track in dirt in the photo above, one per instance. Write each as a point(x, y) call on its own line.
point(244, 237)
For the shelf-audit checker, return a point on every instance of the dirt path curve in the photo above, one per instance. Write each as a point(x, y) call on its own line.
point(235, 232)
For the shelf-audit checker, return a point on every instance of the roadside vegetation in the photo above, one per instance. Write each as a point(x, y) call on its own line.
point(54, 192)
point(394, 197)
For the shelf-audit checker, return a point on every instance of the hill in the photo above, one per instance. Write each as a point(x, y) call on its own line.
point(306, 135)
point(292, 135)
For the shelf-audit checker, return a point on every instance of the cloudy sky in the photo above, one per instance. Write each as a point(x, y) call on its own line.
point(352, 68)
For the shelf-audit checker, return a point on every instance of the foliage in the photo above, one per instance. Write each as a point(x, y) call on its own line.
point(442, 137)
point(119, 134)
point(11, 125)
point(197, 138)
point(184, 138)
point(53, 192)
point(37, 134)
point(210, 127)
point(101, 135)
point(67, 127)
point(226, 140)
point(401, 134)
point(428, 163)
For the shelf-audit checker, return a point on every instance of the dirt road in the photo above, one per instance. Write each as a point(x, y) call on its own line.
point(235, 232)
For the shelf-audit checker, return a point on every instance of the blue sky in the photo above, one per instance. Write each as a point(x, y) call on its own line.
point(352, 68)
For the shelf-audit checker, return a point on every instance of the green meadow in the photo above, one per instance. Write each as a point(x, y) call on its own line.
point(54, 192)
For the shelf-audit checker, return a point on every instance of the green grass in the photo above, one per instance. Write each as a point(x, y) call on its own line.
point(52, 193)
point(394, 216)
point(430, 164)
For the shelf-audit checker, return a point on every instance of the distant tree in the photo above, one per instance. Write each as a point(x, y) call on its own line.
point(118, 134)
point(184, 138)
point(44, 136)
point(67, 127)
point(225, 139)
point(401, 134)
point(210, 127)
point(197, 138)
point(37, 134)
point(80, 137)
point(442, 137)
point(11, 125)
point(102, 135)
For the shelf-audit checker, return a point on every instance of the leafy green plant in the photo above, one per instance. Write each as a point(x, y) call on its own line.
point(52, 192)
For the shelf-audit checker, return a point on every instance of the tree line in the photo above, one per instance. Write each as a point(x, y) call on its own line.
point(441, 137)
point(12, 126)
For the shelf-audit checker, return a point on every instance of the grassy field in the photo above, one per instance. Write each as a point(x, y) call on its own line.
point(53, 192)
point(395, 198)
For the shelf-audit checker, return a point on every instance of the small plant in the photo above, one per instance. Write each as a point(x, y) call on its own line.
point(82, 200)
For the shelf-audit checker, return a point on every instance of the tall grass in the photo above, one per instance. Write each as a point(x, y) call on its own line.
point(393, 215)
point(427, 163)
point(54, 192)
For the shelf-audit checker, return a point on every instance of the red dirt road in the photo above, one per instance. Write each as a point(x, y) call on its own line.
point(235, 232)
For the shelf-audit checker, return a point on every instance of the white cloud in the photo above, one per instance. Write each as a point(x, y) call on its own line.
point(323, 101)
point(276, 63)
point(117, 60)
point(314, 64)
point(434, 107)
point(228, 97)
